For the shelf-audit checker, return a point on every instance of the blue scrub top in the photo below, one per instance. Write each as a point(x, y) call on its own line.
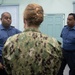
point(5, 34)
point(68, 36)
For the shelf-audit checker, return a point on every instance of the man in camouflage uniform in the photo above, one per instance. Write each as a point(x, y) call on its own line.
point(31, 52)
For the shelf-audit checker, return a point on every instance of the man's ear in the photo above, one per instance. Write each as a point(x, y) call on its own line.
point(0, 19)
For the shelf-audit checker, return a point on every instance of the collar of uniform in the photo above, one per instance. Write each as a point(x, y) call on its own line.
point(32, 29)
point(71, 28)
point(2, 28)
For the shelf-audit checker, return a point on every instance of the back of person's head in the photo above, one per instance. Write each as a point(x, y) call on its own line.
point(33, 14)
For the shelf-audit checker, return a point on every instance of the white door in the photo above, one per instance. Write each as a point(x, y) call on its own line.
point(52, 25)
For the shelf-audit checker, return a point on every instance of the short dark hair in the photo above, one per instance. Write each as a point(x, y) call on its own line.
point(4, 13)
point(73, 14)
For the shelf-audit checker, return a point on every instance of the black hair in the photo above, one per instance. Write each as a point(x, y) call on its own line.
point(73, 14)
point(3, 14)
